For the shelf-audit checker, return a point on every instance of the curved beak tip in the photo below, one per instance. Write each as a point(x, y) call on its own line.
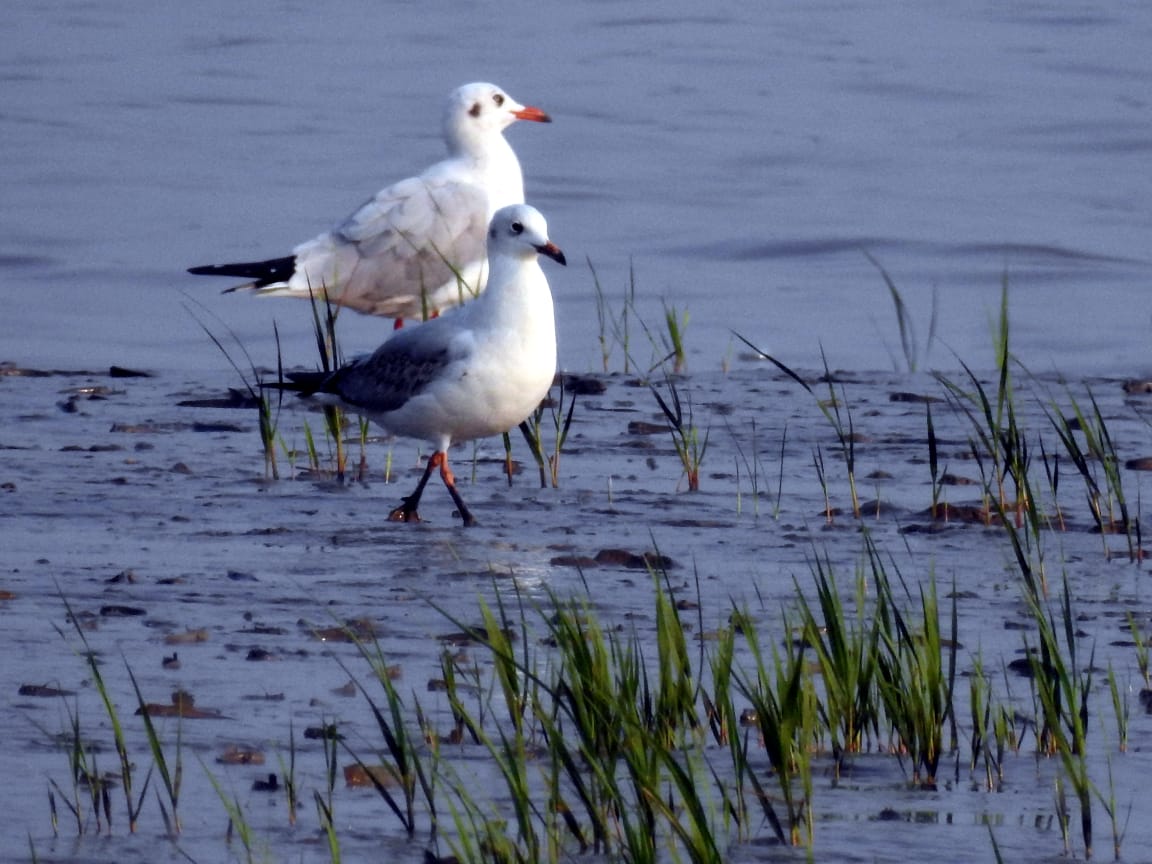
point(553, 252)
point(530, 112)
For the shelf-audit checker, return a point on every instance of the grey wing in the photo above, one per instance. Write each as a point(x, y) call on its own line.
point(398, 370)
point(410, 239)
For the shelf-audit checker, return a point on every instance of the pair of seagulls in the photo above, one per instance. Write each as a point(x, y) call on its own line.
point(419, 247)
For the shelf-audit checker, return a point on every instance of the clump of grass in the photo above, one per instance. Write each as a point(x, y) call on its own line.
point(617, 762)
point(1062, 687)
point(170, 777)
point(993, 730)
point(784, 703)
point(133, 804)
point(847, 651)
point(1141, 644)
point(324, 315)
point(754, 469)
point(402, 757)
point(909, 344)
point(532, 430)
point(916, 669)
point(842, 425)
point(1107, 501)
point(238, 825)
point(325, 800)
point(268, 417)
point(675, 323)
point(690, 446)
point(615, 326)
point(934, 466)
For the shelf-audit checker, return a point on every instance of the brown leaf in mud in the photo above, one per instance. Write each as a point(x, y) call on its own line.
point(236, 755)
point(188, 637)
point(360, 775)
point(1144, 463)
point(7, 595)
point(183, 705)
point(1137, 387)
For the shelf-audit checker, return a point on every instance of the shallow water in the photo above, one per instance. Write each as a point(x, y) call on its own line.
point(738, 160)
point(120, 497)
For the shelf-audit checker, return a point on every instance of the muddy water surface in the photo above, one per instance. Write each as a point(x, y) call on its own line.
point(155, 522)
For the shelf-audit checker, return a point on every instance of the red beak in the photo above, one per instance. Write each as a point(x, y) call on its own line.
point(553, 252)
point(528, 112)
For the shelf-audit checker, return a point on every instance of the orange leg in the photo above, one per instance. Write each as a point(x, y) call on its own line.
point(441, 459)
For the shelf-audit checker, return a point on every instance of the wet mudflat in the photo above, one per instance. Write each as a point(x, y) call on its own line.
point(224, 592)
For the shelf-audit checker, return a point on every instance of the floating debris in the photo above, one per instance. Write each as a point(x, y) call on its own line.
point(360, 775)
point(236, 755)
point(183, 705)
point(188, 637)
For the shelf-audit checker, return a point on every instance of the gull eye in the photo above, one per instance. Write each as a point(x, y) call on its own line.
point(498, 99)
point(474, 111)
point(517, 228)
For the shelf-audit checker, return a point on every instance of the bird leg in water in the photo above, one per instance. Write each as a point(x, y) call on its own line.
point(446, 475)
point(406, 512)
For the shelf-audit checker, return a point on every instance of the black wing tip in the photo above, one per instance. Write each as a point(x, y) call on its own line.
point(261, 272)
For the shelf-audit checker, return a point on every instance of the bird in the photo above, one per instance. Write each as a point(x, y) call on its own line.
point(477, 370)
point(417, 246)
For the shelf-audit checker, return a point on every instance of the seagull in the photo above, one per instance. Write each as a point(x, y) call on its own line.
point(476, 371)
point(417, 247)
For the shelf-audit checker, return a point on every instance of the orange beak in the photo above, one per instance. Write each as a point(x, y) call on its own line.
point(528, 112)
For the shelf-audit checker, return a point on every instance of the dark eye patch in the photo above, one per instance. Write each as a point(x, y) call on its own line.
point(474, 111)
point(498, 99)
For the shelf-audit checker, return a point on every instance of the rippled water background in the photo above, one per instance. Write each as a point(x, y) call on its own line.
point(738, 158)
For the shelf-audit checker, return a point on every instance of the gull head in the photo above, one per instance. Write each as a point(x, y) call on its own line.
point(480, 110)
point(521, 232)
